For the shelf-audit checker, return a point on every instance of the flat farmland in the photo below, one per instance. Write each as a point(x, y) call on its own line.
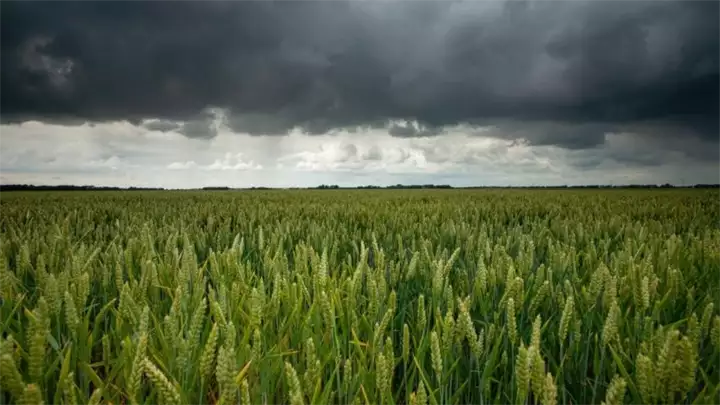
point(360, 297)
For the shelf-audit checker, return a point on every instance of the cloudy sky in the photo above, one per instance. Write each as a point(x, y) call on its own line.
point(298, 93)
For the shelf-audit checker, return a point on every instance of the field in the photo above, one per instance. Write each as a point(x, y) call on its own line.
point(360, 297)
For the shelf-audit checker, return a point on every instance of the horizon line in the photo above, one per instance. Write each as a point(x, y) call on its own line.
point(71, 187)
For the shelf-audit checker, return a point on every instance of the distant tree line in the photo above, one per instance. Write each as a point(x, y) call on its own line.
point(27, 187)
point(403, 186)
point(446, 186)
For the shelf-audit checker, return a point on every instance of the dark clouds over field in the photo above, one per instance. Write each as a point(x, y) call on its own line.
point(552, 73)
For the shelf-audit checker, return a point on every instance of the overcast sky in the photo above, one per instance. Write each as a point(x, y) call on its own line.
point(192, 94)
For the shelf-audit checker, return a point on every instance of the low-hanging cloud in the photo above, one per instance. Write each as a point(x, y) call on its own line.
point(548, 72)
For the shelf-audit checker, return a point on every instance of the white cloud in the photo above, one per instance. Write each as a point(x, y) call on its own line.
point(228, 162)
point(234, 162)
point(113, 162)
point(123, 154)
point(190, 164)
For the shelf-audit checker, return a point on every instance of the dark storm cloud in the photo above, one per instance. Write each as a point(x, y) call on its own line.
point(551, 72)
point(544, 133)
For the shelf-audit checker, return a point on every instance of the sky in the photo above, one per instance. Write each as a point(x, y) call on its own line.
point(189, 94)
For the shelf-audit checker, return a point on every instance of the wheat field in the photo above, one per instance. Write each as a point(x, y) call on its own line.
point(360, 297)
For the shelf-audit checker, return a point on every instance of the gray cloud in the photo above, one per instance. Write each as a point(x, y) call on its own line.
point(162, 125)
point(202, 126)
point(198, 129)
point(374, 153)
point(550, 72)
point(412, 129)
